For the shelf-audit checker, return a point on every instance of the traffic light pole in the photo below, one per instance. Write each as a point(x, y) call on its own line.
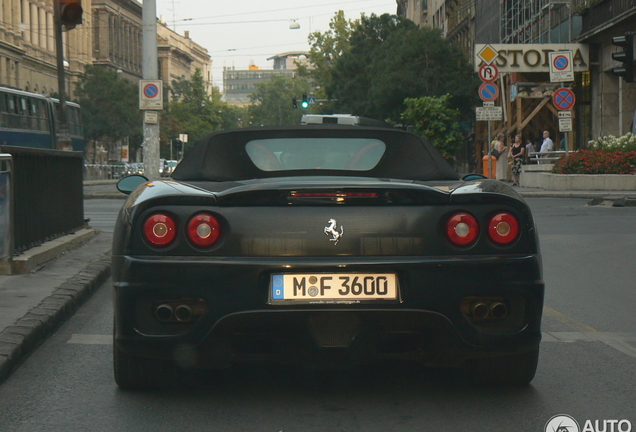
point(150, 71)
point(63, 138)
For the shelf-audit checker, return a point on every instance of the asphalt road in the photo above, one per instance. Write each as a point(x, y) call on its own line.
point(587, 367)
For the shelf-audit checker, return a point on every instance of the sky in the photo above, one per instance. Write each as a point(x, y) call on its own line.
point(242, 32)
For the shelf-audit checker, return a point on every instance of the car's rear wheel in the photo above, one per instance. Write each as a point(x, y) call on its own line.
point(137, 373)
point(514, 370)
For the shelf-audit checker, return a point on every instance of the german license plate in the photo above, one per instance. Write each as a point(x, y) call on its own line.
point(334, 287)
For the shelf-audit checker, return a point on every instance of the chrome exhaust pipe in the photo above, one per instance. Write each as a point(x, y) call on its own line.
point(164, 312)
point(183, 313)
point(479, 310)
point(498, 310)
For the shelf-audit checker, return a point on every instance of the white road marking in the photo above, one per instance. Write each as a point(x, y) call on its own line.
point(618, 341)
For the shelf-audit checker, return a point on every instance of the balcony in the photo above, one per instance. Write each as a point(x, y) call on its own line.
point(603, 13)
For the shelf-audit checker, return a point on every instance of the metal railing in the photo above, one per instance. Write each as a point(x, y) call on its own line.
point(105, 171)
point(48, 195)
point(547, 157)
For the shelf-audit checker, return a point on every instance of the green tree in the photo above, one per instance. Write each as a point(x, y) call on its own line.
point(272, 101)
point(110, 106)
point(391, 59)
point(194, 112)
point(433, 118)
point(325, 50)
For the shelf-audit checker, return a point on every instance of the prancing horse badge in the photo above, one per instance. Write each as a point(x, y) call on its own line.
point(332, 230)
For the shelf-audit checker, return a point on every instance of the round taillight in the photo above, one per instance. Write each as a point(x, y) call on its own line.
point(503, 228)
point(160, 229)
point(204, 230)
point(462, 229)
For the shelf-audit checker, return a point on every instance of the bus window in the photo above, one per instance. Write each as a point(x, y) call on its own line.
point(24, 113)
point(14, 117)
point(42, 124)
point(3, 111)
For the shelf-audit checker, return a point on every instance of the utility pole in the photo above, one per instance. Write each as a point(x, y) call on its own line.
point(67, 13)
point(150, 71)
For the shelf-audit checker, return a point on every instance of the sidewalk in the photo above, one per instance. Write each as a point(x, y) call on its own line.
point(60, 276)
point(35, 304)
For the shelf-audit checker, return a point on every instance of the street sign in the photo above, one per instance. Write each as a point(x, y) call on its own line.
point(561, 68)
point(565, 121)
point(311, 100)
point(563, 99)
point(488, 92)
point(565, 124)
point(150, 94)
point(488, 73)
point(489, 113)
point(487, 54)
point(151, 117)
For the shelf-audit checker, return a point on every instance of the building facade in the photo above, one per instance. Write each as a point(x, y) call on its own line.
point(27, 46)
point(605, 103)
point(179, 57)
point(238, 85)
point(110, 36)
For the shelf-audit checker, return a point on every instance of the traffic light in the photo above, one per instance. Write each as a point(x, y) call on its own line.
point(294, 103)
point(70, 13)
point(626, 56)
point(305, 102)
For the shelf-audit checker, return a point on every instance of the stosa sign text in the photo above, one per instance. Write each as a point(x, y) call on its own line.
point(534, 57)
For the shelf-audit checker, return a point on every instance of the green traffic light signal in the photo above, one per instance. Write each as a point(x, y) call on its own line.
point(305, 102)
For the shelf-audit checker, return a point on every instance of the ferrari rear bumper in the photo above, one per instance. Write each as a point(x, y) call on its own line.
point(432, 322)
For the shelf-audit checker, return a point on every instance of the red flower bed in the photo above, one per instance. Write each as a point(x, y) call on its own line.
point(597, 162)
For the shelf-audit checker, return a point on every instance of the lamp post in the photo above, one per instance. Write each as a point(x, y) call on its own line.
point(63, 138)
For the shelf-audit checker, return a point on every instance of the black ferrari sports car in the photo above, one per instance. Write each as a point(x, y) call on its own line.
point(324, 245)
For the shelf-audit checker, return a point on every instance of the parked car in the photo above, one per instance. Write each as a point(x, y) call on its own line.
point(325, 245)
point(171, 164)
point(134, 168)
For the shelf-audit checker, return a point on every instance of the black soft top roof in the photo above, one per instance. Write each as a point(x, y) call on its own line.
point(221, 156)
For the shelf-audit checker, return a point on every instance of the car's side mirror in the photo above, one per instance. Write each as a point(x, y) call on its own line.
point(474, 176)
point(130, 183)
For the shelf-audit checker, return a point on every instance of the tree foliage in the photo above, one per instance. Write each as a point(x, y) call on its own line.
point(433, 118)
point(110, 105)
point(326, 49)
point(272, 101)
point(390, 59)
point(194, 112)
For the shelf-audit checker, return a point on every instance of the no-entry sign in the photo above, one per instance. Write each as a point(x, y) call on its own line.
point(561, 68)
point(488, 73)
point(563, 99)
point(150, 94)
point(488, 92)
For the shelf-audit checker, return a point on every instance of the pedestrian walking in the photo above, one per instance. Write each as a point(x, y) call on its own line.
point(517, 152)
point(529, 149)
point(498, 146)
point(547, 145)
point(499, 149)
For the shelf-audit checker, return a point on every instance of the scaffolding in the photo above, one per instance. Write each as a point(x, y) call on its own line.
point(532, 21)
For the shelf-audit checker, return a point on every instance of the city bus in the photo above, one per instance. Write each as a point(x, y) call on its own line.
point(31, 120)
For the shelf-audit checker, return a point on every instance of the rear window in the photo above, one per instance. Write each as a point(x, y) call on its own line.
point(283, 154)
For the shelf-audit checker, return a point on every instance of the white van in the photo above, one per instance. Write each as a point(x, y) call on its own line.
point(346, 119)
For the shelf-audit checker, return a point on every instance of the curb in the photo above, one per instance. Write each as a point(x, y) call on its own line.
point(21, 339)
point(47, 251)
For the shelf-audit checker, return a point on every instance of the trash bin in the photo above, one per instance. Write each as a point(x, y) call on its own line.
point(493, 166)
